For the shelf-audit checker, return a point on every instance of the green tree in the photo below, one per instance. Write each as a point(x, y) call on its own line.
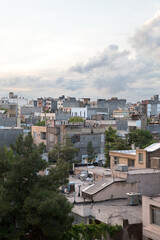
point(140, 138)
point(76, 119)
point(90, 151)
point(110, 137)
point(92, 231)
point(40, 123)
point(65, 152)
point(113, 142)
point(29, 201)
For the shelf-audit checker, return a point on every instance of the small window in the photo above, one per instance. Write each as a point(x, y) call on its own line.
point(116, 160)
point(155, 219)
point(131, 163)
point(34, 134)
point(140, 157)
point(43, 135)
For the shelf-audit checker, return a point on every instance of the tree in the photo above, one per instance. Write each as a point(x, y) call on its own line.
point(140, 138)
point(110, 136)
point(76, 119)
point(40, 123)
point(113, 142)
point(65, 152)
point(92, 231)
point(90, 151)
point(29, 201)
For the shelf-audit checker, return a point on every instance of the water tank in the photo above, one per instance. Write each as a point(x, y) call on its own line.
point(71, 187)
point(133, 198)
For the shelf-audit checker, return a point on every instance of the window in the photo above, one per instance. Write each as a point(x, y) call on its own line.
point(140, 157)
point(116, 160)
point(155, 217)
point(34, 134)
point(131, 163)
point(43, 135)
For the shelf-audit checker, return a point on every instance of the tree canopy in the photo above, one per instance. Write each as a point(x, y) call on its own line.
point(30, 202)
point(65, 152)
point(40, 123)
point(113, 142)
point(90, 151)
point(140, 138)
point(76, 119)
point(92, 231)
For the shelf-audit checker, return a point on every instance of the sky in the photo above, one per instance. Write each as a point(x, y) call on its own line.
point(87, 48)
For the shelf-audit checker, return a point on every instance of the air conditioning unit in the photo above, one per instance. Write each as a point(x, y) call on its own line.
point(122, 167)
point(133, 198)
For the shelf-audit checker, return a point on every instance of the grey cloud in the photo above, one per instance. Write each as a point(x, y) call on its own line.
point(114, 85)
point(103, 59)
point(70, 84)
point(147, 39)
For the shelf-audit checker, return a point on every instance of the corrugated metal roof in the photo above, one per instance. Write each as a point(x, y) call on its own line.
point(153, 147)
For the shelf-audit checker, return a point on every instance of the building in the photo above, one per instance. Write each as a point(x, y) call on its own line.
point(69, 103)
point(121, 113)
point(153, 106)
point(39, 134)
point(112, 104)
point(151, 217)
point(139, 158)
point(53, 137)
point(8, 135)
point(79, 112)
point(92, 111)
point(9, 109)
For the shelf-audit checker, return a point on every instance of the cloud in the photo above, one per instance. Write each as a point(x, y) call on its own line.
point(147, 39)
point(102, 59)
point(116, 72)
point(111, 72)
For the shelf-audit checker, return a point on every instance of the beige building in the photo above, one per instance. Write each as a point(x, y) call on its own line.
point(39, 134)
point(139, 158)
point(151, 217)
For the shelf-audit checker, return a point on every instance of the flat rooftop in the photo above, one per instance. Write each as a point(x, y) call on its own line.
point(132, 152)
point(111, 209)
point(143, 171)
point(95, 169)
point(155, 198)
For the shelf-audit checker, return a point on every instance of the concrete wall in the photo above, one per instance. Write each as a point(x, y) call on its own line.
point(8, 122)
point(122, 124)
point(30, 110)
point(114, 191)
point(9, 135)
point(70, 103)
point(94, 111)
point(11, 109)
point(53, 137)
point(83, 140)
point(60, 115)
point(151, 155)
point(148, 183)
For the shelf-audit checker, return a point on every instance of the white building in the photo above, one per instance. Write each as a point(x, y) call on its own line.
point(79, 112)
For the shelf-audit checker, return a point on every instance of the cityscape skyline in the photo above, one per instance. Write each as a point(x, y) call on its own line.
point(83, 49)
